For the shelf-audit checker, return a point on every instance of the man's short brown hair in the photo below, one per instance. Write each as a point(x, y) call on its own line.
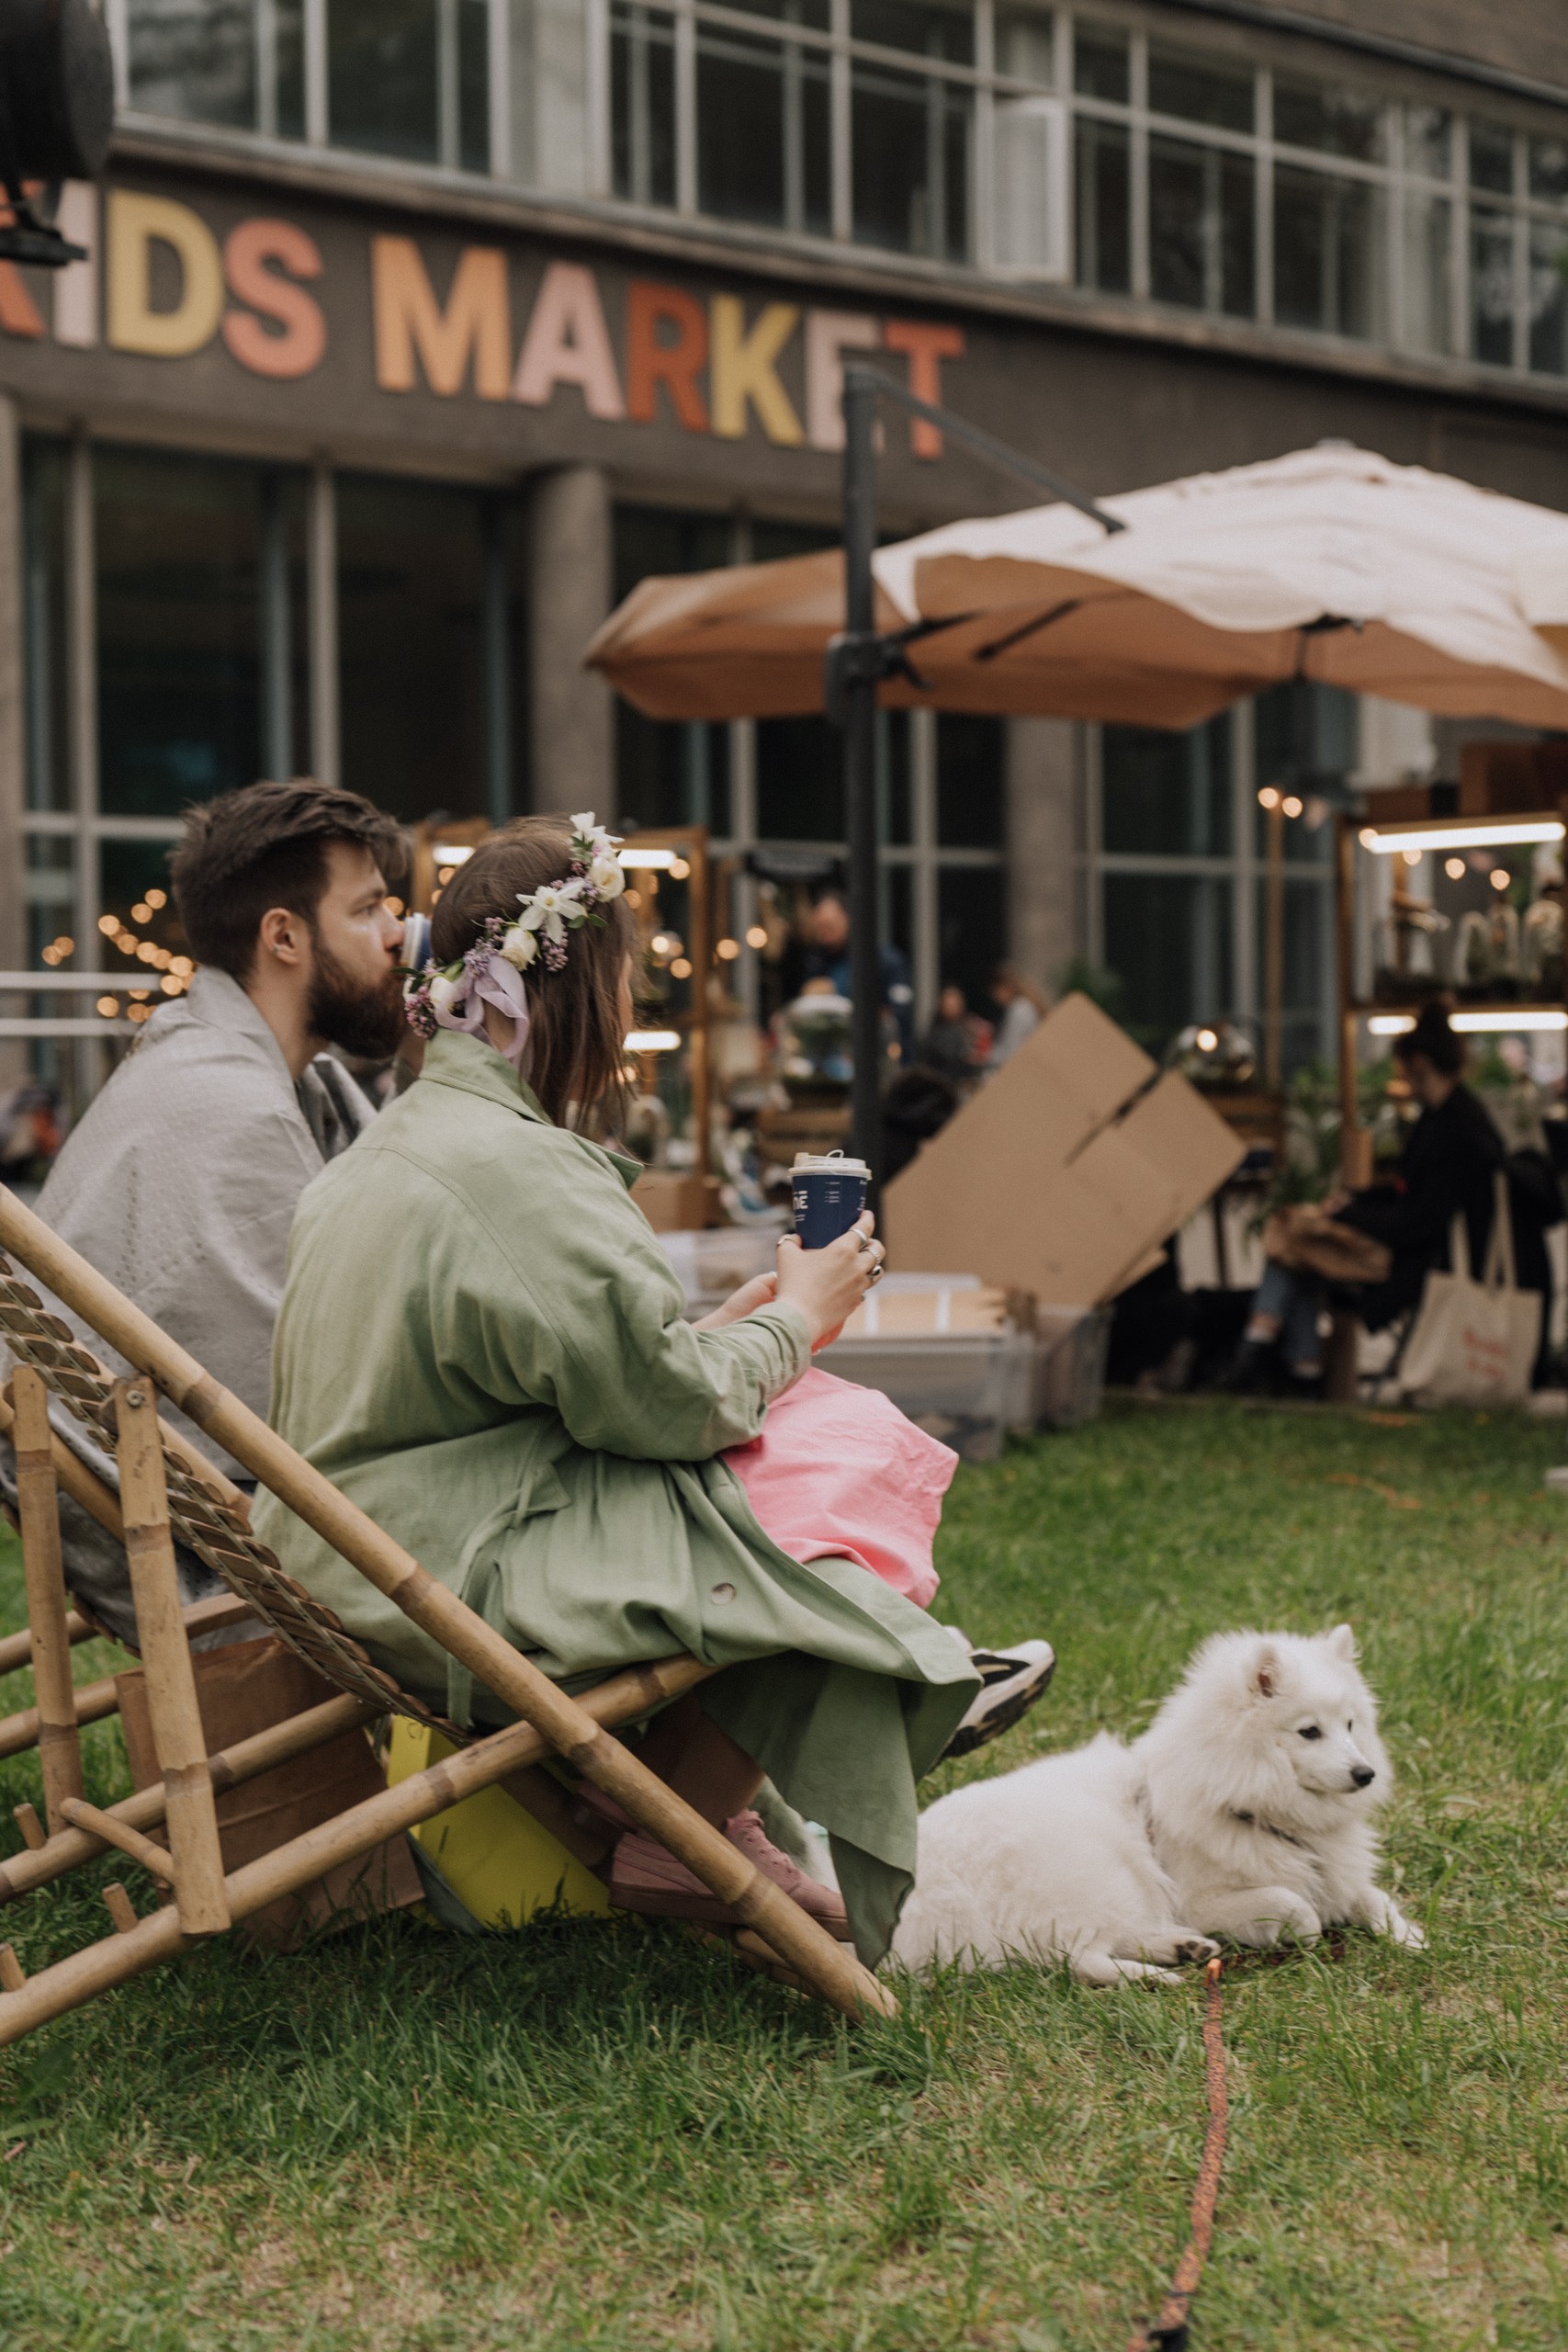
point(266, 846)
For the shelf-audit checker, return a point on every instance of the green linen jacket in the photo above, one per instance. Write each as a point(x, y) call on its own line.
point(482, 1343)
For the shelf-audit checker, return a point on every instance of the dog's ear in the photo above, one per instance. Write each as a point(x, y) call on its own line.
point(1265, 1676)
point(1342, 1642)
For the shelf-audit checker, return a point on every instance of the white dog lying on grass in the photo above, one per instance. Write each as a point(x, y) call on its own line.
point(1242, 1812)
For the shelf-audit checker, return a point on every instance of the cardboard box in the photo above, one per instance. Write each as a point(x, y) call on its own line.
point(1065, 1172)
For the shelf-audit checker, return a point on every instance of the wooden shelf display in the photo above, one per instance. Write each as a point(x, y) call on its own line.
point(1408, 827)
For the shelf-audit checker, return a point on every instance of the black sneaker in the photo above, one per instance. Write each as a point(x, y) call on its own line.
point(1010, 1681)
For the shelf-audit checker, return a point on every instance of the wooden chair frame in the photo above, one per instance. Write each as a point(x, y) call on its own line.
point(166, 1491)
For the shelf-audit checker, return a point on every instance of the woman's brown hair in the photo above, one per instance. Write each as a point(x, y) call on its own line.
point(575, 1049)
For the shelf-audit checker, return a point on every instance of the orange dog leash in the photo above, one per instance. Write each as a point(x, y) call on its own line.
point(1167, 2333)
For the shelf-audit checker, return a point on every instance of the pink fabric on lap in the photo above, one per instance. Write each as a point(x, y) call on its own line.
point(839, 1472)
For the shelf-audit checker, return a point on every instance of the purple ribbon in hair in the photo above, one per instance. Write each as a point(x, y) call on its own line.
point(492, 981)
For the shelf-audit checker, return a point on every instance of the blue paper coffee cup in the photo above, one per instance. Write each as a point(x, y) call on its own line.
point(828, 1192)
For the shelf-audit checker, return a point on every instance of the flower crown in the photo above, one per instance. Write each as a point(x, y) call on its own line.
point(448, 995)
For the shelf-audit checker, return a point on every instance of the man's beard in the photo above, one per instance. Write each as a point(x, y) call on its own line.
point(364, 1021)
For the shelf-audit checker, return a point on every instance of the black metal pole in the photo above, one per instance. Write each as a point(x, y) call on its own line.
point(860, 765)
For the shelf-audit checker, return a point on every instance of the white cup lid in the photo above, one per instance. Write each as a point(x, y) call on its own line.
point(828, 1163)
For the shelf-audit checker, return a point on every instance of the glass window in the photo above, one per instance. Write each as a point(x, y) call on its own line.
point(971, 916)
point(1428, 279)
point(910, 138)
point(1100, 63)
point(44, 622)
point(1548, 289)
point(1549, 169)
point(943, 28)
point(1428, 141)
point(195, 60)
point(670, 773)
point(1199, 89)
point(1326, 254)
point(1335, 122)
point(1492, 285)
point(762, 138)
point(49, 892)
point(800, 780)
point(473, 86)
point(642, 104)
point(1304, 734)
point(1166, 795)
point(818, 14)
point(1103, 209)
point(1201, 217)
point(1167, 939)
point(382, 67)
point(410, 645)
point(1491, 157)
point(187, 673)
point(894, 781)
point(1025, 45)
point(971, 782)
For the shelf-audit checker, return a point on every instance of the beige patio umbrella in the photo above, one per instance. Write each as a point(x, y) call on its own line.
point(1331, 564)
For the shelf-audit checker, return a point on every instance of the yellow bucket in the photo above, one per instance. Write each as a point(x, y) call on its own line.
point(497, 1859)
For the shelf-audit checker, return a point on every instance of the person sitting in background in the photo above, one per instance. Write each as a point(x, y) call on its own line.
point(958, 1041)
point(827, 957)
point(1447, 1169)
point(1024, 1006)
point(180, 1181)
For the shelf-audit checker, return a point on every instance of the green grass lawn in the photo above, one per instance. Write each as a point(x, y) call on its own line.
point(603, 2136)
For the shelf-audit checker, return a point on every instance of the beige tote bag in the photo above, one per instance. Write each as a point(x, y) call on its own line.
point(1474, 1342)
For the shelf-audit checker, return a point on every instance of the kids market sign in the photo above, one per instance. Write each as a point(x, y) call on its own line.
point(464, 323)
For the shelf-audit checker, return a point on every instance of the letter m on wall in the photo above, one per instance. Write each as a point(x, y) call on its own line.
point(475, 326)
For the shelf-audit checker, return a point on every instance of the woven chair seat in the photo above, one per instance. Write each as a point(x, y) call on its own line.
point(202, 1518)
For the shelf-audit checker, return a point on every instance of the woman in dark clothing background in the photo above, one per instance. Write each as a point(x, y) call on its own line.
point(1447, 1167)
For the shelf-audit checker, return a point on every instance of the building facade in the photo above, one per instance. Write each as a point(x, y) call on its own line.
point(414, 332)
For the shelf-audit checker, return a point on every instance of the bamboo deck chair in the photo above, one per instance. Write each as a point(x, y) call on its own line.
point(164, 1492)
point(95, 1699)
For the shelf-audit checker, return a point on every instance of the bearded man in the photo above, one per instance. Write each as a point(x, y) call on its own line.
point(181, 1180)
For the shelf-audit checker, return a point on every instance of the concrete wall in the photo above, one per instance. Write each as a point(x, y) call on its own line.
point(1525, 37)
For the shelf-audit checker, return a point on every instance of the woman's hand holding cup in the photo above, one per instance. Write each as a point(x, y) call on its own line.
point(828, 1285)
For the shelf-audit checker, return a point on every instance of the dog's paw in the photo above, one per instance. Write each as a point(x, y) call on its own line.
point(1194, 1947)
point(1404, 1931)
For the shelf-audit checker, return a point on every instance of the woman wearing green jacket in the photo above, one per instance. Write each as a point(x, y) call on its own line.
point(482, 1343)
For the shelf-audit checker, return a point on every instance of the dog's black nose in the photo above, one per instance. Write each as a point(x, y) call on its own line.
point(1362, 1774)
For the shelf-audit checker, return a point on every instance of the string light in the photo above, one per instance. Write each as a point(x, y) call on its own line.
point(1291, 805)
point(727, 950)
point(1269, 797)
point(156, 898)
point(1454, 868)
point(142, 911)
point(1500, 877)
point(757, 936)
point(679, 969)
point(108, 925)
point(109, 1006)
point(679, 869)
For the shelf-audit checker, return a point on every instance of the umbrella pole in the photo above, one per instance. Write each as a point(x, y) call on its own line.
point(859, 767)
point(1274, 950)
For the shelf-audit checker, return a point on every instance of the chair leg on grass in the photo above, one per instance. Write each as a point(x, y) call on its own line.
point(199, 1895)
point(38, 1500)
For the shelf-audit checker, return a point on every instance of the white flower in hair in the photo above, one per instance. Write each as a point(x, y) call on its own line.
point(551, 907)
point(606, 875)
point(519, 946)
point(448, 990)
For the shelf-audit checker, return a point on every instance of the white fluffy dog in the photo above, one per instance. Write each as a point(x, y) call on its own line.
point(1242, 1812)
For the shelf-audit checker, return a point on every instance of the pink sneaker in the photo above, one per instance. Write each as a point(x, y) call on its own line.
point(644, 1876)
point(745, 1831)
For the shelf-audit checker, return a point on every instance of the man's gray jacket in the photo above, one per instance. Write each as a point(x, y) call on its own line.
point(180, 1185)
